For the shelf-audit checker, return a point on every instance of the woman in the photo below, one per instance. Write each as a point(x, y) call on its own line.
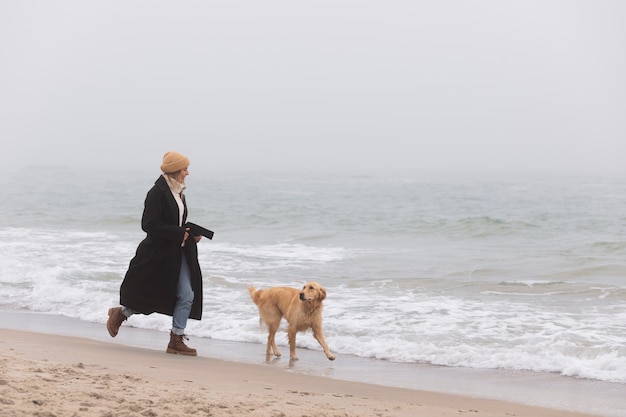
point(164, 276)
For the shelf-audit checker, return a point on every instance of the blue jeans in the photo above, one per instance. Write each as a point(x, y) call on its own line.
point(184, 299)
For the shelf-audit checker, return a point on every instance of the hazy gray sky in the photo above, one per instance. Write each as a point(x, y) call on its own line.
point(348, 86)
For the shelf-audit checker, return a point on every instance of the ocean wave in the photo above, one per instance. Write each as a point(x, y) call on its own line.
point(614, 246)
point(487, 226)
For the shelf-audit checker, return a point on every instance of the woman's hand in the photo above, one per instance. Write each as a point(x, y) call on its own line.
point(186, 236)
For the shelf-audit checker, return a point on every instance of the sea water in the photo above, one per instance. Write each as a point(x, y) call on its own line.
point(524, 273)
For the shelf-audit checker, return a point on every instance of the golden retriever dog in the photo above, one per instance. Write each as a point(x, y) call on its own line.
point(301, 308)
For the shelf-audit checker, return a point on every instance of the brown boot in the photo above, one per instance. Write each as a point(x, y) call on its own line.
point(178, 346)
point(116, 318)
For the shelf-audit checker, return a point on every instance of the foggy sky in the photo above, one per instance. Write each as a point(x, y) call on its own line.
point(358, 87)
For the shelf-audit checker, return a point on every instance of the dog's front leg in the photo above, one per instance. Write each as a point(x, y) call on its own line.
point(319, 336)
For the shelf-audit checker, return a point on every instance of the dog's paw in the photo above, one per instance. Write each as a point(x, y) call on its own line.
point(331, 357)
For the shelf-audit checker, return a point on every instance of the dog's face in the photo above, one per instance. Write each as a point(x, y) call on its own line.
point(312, 291)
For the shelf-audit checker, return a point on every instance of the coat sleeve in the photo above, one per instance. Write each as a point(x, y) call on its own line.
point(160, 218)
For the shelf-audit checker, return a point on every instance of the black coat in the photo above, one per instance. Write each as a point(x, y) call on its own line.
point(152, 277)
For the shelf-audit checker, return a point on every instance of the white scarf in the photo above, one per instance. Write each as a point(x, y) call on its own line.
point(177, 189)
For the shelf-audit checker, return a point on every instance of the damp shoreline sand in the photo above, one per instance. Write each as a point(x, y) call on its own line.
point(53, 375)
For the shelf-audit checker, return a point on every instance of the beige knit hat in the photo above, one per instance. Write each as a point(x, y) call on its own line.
point(174, 162)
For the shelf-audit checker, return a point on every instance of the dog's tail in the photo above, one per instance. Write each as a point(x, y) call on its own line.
point(254, 294)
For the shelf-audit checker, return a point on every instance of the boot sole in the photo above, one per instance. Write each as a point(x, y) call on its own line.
point(180, 352)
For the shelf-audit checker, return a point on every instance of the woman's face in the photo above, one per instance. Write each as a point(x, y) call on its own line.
point(182, 174)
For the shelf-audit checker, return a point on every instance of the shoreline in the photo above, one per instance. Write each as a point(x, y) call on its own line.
point(401, 389)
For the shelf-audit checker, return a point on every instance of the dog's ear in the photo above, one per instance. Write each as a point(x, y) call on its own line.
point(322, 293)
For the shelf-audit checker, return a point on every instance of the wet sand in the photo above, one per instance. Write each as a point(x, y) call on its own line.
point(86, 373)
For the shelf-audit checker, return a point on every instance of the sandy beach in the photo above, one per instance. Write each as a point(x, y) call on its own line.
point(51, 375)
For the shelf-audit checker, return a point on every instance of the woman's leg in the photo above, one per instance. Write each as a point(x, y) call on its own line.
point(128, 312)
point(184, 302)
point(184, 299)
